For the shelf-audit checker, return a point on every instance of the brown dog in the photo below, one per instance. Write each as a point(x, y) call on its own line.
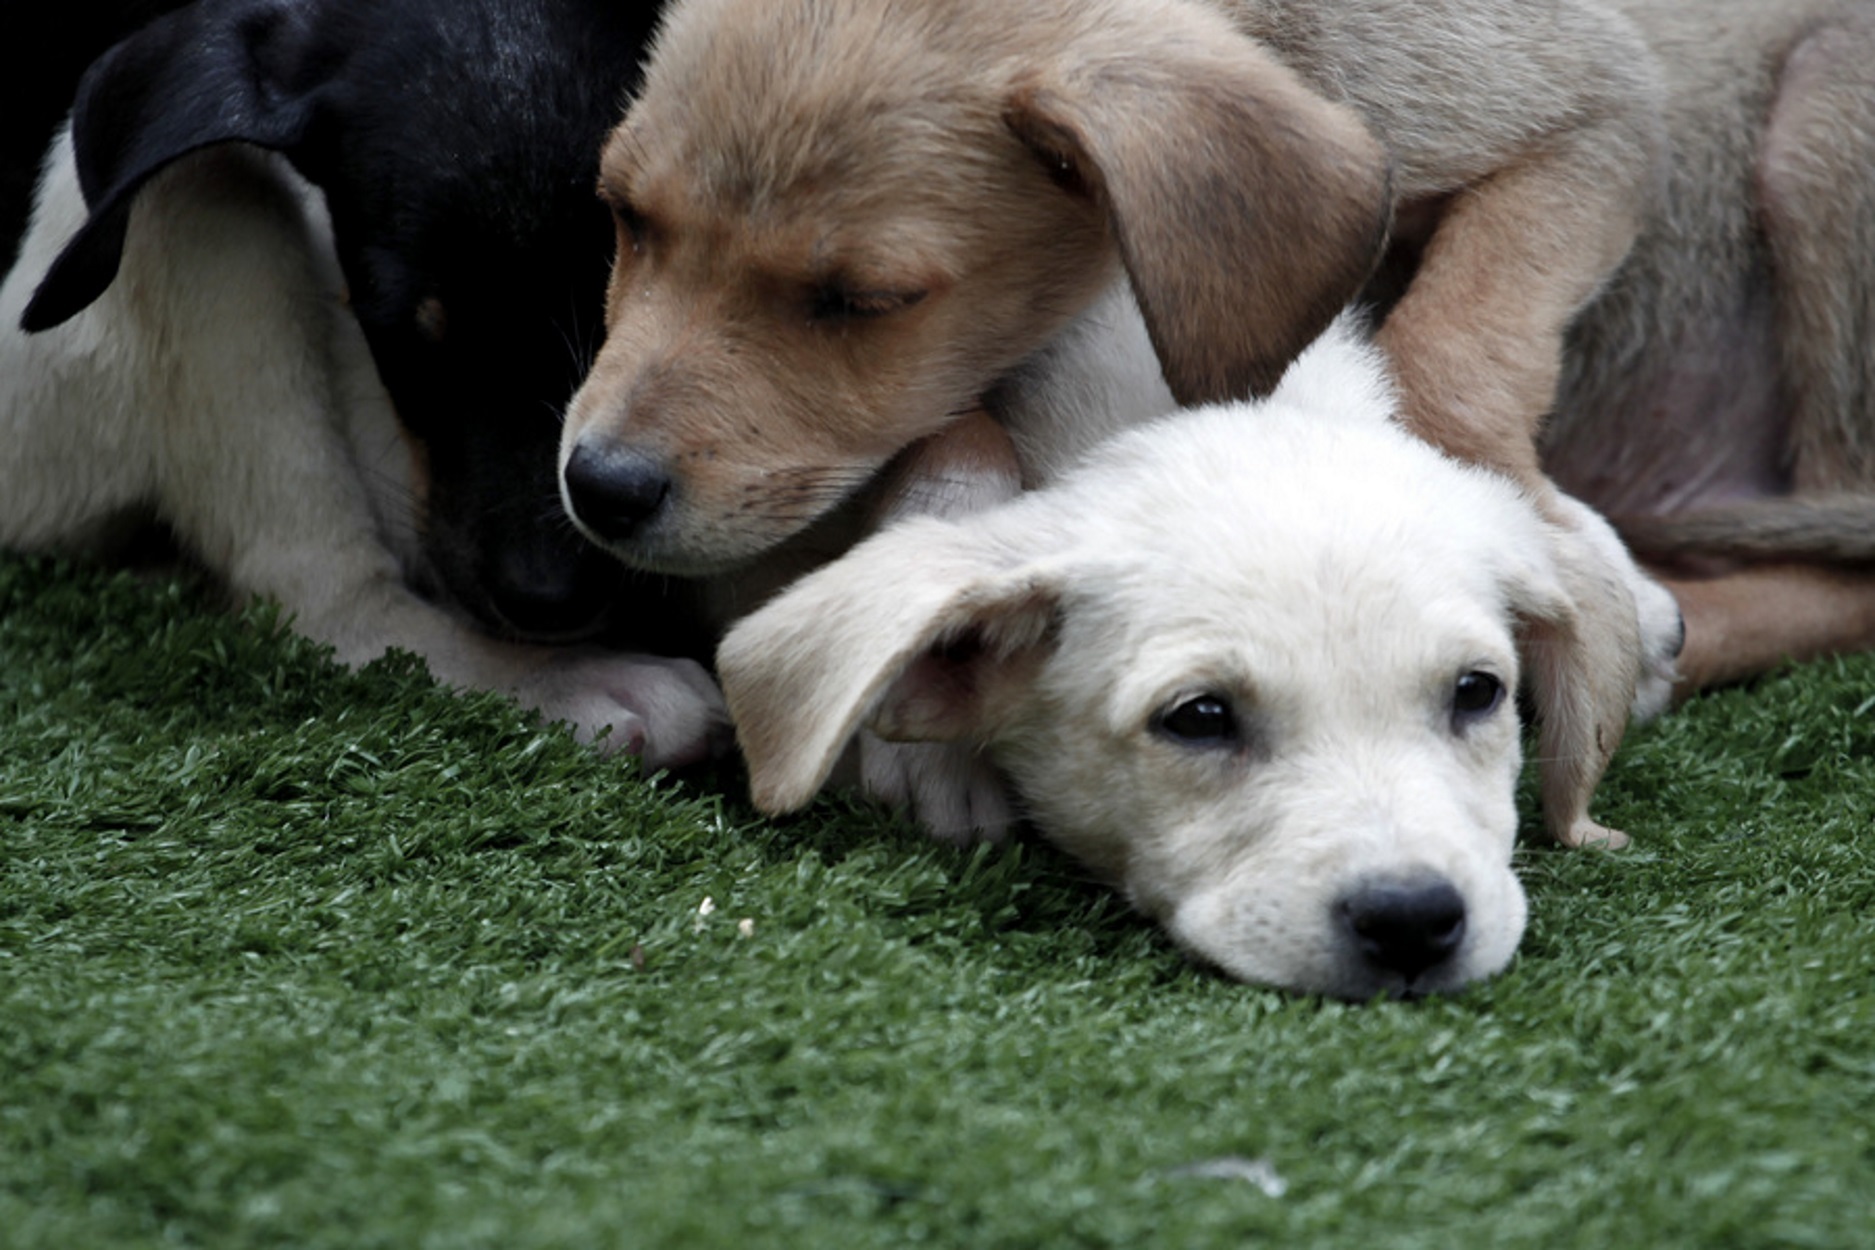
point(844, 221)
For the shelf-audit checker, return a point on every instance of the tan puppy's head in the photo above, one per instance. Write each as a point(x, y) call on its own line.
point(841, 222)
point(1253, 666)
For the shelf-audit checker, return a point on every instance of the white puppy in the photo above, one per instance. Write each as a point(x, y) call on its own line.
point(220, 386)
point(1254, 664)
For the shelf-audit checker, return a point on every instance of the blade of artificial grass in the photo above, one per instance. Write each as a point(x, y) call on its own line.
point(296, 957)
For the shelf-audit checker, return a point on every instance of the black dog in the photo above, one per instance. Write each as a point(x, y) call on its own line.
point(443, 155)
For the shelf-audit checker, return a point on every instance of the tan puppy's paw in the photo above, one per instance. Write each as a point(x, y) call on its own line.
point(1585, 833)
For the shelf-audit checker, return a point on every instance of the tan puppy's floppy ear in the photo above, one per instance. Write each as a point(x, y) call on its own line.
point(924, 632)
point(1248, 209)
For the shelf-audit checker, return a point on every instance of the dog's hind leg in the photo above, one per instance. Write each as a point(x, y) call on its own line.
point(1749, 621)
point(1805, 590)
point(1816, 193)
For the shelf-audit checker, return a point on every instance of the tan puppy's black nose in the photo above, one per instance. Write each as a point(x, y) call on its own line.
point(614, 490)
point(1406, 926)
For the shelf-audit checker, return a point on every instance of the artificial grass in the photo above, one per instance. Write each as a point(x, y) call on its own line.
point(295, 957)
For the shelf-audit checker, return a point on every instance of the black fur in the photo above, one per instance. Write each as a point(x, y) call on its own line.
point(457, 144)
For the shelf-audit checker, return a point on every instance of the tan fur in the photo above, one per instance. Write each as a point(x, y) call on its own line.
point(980, 173)
point(1741, 624)
point(1719, 397)
point(1629, 252)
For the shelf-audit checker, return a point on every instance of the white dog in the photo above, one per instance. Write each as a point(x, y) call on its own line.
point(1254, 664)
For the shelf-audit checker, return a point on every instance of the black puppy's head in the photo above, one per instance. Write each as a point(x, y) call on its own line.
point(456, 143)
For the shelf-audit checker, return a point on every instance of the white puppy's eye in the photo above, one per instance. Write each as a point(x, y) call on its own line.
point(1203, 720)
point(1475, 696)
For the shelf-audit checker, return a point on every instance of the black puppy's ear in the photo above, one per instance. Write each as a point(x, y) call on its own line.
point(210, 73)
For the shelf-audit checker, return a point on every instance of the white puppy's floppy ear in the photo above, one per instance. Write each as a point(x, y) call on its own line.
point(923, 632)
point(1248, 208)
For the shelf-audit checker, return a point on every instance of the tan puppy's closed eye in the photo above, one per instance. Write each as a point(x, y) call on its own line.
point(1252, 664)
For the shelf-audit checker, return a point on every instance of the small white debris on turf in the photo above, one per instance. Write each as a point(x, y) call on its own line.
point(1259, 1172)
point(746, 926)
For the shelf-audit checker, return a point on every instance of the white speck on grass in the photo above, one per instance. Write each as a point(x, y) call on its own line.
point(1259, 1172)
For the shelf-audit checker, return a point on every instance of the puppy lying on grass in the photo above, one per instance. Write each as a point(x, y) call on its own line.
point(307, 286)
point(1253, 664)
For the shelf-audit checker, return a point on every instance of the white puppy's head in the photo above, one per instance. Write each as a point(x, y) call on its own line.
point(1255, 665)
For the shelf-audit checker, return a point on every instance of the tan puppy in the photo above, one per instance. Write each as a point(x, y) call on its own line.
point(1252, 664)
point(841, 222)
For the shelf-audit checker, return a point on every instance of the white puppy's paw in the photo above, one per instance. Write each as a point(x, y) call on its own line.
point(667, 712)
point(948, 787)
point(1661, 627)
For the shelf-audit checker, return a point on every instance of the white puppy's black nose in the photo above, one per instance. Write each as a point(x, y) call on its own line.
point(614, 490)
point(1408, 926)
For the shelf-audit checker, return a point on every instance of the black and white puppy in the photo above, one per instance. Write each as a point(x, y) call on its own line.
point(309, 282)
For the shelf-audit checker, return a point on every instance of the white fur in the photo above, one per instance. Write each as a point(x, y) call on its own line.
point(220, 386)
point(1304, 559)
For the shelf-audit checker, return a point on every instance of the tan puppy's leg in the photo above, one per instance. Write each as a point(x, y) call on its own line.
point(1583, 664)
point(1476, 344)
point(1746, 622)
point(1817, 208)
point(1476, 341)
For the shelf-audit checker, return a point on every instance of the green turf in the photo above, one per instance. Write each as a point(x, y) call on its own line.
point(295, 957)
